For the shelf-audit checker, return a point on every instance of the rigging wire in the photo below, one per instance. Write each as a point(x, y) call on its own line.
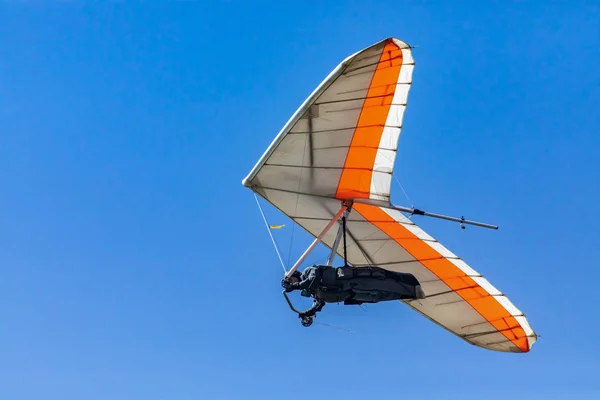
point(270, 234)
point(404, 191)
point(398, 181)
point(334, 327)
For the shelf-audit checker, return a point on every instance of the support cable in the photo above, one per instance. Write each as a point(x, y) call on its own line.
point(270, 234)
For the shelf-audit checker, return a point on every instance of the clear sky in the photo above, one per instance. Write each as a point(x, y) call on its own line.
point(134, 264)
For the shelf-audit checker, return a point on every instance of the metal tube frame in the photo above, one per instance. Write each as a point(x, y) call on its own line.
point(338, 238)
point(462, 220)
point(310, 248)
point(416, 211)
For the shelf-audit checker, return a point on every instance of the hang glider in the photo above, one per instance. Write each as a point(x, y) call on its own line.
point(334, 159)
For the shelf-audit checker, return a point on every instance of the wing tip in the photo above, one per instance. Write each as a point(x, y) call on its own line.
point(398, 42)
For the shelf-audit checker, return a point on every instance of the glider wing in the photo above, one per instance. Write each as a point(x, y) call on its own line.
point(341, 145)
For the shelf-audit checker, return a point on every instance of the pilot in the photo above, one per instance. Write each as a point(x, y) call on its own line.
point(352, 286)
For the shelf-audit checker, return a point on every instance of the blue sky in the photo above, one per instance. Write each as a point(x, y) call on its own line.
point(134, 265)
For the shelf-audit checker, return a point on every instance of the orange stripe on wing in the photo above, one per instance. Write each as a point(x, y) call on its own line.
point(450, 274)
point(355, 181)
